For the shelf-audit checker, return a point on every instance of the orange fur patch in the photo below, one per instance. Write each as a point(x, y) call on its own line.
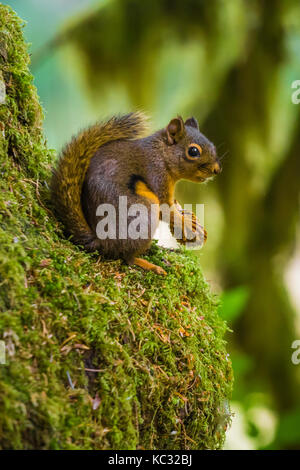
point(142, 190)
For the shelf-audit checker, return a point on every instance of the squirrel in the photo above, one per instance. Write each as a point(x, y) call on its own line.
point(112, 159)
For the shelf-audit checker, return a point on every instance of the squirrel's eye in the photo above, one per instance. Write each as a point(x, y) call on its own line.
point(193, 152)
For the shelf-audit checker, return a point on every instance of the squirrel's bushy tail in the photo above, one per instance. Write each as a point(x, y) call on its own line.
point(69, 174)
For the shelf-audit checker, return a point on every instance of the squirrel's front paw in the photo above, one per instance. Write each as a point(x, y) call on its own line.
point(193, 232)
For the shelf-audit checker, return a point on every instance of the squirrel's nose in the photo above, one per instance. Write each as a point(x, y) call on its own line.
point(216, 168)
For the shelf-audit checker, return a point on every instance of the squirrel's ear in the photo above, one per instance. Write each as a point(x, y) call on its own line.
point(192, 122)
point(175, 130)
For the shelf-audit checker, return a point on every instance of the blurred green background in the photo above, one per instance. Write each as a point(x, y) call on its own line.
point(231, 64)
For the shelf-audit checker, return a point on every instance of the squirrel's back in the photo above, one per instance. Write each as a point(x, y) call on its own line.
point(69, 174)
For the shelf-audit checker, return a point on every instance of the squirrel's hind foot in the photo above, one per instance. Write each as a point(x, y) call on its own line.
point(142, 263)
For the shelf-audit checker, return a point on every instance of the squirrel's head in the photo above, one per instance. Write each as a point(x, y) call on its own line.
point(189, 154)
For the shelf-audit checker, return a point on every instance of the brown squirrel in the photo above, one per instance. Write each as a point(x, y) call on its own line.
point(112, 159)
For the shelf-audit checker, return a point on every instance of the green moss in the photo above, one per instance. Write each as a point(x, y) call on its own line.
point(160, 374)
